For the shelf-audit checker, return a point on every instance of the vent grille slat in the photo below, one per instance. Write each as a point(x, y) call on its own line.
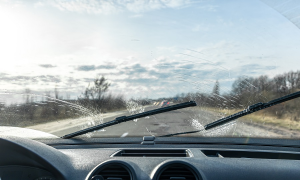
point(114, 171)
point(250, 154)
point(153, 153)
point(177, 171)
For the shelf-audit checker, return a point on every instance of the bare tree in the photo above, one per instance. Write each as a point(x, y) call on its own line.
point(216, 89)
point(95, 93)
point(27, 95)
point(56, 93)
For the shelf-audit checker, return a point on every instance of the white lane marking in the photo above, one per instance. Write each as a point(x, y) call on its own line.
point(125, 134)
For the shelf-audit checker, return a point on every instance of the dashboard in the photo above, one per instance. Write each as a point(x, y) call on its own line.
point(149, 158)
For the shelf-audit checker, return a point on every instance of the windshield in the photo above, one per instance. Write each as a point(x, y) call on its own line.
point(70, 65)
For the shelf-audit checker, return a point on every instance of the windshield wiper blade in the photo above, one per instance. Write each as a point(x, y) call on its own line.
point(122, 119)
point(187, 132)
point(251, 109)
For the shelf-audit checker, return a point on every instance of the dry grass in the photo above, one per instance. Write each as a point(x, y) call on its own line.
point(261, 117)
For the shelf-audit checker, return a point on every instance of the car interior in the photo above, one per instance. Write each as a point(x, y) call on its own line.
point(148, 158)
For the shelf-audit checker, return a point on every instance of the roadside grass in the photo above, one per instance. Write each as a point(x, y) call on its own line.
point(260, 117)
point(46, 115)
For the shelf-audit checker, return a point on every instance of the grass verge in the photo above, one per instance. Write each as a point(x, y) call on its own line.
point(260, 117)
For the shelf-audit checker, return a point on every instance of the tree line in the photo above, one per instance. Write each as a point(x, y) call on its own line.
point(246, 91)
point(95, 99)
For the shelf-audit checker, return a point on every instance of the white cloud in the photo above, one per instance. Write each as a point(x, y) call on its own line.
point(209, 7)
point(200, 28)
point(136, 16)
point(110, 7)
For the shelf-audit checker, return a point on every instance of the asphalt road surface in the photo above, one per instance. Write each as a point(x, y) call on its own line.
point(182, 120)
point(160, 124)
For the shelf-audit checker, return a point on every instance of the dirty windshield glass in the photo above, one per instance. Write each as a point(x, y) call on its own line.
point(70, 65)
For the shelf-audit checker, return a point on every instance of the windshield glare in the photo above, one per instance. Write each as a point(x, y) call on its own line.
point(70, 65)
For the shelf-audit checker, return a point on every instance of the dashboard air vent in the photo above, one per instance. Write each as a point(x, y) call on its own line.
point(153, 153)
point(115, 171)
point(177, 171)
point(251, 154)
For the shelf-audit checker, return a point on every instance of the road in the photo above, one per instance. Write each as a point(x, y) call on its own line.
point(182, 120)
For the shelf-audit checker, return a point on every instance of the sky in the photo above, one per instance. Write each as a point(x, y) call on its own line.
point(145, 48)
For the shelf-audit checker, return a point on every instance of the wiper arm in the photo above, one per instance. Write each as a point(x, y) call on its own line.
point(122, 119)
point(251, 109)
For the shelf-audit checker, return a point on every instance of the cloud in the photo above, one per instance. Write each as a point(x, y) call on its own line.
point(209, 7)
point(3, 74)
point(49, 78)
point(71, 80)
point(254, 69)
point(134, 69)
point(159, 74)
point(138, 81)
point(163, 71)
point(161, 77)
point(187, 66)
point(165, 63)
point(47, 65)
point(200, 28)
point(25, 80)
point(106, 67)
point(111, 7)
point(93, 67)
point(136, 16)
point(86, 68)
point(88, 79)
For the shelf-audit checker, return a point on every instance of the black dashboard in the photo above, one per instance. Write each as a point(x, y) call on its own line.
point(164, 158)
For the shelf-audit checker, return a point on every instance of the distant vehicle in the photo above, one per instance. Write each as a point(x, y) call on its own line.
point(164, 103)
